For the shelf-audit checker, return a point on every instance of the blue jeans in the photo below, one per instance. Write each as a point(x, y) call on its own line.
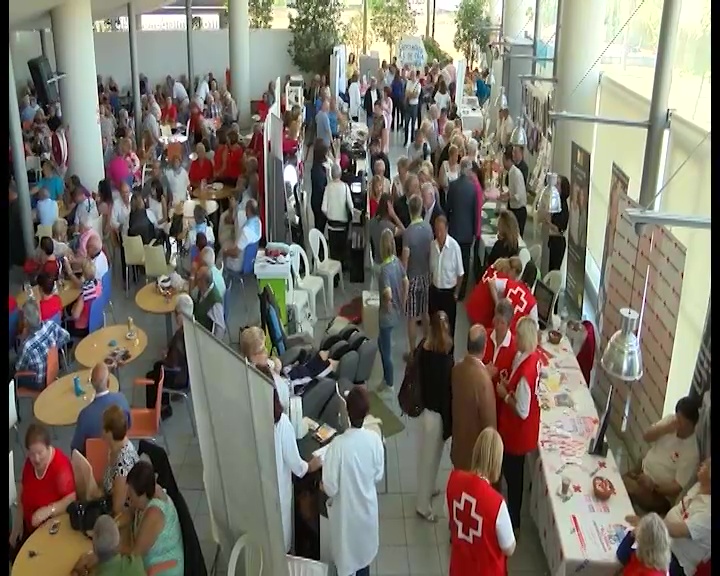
point(385, 348)
point(363, 571)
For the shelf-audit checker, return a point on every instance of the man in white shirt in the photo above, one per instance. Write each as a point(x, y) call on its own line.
point(178, 182)
point(505, 124)
point(355, 104)
point(412, 110)
point(670, 462)
point(352, 467)
point(179, 94)
point(245, 235)
point(516, 195)
point(151, 122)
point(120, 214)
point(46, 209)
point(446, 273)
point(98, 257)
point(202, 91)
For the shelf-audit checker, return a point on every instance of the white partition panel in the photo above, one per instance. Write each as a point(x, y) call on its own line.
point(233, 410)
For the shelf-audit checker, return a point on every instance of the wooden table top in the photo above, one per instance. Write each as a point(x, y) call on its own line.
point(53, 554)
point(96, 347)
point(68, 294)
point(57, 404)
point(211, 194)
point(150, 300)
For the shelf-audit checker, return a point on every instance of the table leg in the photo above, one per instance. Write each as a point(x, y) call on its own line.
point(168, 327)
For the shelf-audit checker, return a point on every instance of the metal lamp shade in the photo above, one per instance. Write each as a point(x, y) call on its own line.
point(549, 199)
point(519, 136)
point(622, 358)
point(501, 102)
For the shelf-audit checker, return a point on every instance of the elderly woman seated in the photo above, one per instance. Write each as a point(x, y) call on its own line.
point(122, 456)
point(105, 558)
point(90, 289)
point(173, 361)
point(252, 346)
point(201, 169)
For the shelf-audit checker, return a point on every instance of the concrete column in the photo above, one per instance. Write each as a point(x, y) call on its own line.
point(75, 56)
point(514, 18)
point(134, 70)
point(19, 167)
point(496, 10)
point(239, 32)
point(576, 91)
point(188, 37)
point(43, 42)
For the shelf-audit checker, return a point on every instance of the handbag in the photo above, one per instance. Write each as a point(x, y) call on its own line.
point(83, 515)
point(409, 396)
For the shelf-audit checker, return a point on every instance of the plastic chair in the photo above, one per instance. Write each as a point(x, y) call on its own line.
point(155, 263)
point(52, 369)
point(309, 283)
point(252, 565)
point(327, 267)
point(146, 422)
point(43, 231)
point(13, 484)
point(106, 282)
point(185, 395)
point(536, 254)
point(248, 268)
point(12, 405)
point(299, 300)
point(298, 566)
point(96, 453)
point(96, 321)
point(553, 280)
point(134, 256)
point(525, 256)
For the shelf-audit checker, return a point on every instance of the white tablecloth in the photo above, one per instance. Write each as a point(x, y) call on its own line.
point(579, 534)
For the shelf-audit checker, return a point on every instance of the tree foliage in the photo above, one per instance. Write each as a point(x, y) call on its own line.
point(471, 21)
point(391, 20)
point(260, 13)
point(434, 52)
point(315, 25)
point(352, 34)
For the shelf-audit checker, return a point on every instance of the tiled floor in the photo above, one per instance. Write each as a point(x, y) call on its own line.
point(408, 545)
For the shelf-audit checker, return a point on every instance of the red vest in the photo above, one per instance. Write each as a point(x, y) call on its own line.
point(521, 436)
point(473, 505)
point(480, 305)
point(522, 299)
point(637, 568)
point(503, 363)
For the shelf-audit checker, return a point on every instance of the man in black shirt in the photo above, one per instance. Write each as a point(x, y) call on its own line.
point(519, 159)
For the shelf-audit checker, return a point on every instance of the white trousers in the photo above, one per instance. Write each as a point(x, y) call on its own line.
point(430, 447)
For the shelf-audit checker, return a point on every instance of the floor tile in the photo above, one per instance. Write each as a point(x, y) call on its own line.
point(424, 560)
point(390, 506)
point(419, 532)
point(392, 532)
point(393, 561)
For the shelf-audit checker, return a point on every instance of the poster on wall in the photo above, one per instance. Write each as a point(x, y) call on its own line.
point(619, 183)
point(577, 237)
point(411, 51)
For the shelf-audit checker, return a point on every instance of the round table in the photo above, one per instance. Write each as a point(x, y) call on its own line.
point(68, 294)
point(95, 347)
point(53, 554)
point(150, 300)
point(211, 194)
point(57, 404)
point(188, 207)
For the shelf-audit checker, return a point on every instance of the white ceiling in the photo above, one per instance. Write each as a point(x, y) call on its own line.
point(34, 14)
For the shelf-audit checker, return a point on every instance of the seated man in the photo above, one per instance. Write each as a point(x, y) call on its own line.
point(46, 209)
point(174, 360)
point(90, 420)
point(245, 235)
point(97, 256)
point(670, 462)
point(207, 259)
point(201, 226)
point(209, 310)
point(689, 525)
point(42, 336)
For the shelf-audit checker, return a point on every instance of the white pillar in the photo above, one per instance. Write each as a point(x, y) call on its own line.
point(496, 9)
point(239, 35)
point(581, 39)
point(514, 18)
point(75, 56)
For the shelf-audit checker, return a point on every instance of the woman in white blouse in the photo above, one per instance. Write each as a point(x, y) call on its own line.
point(450, 169)
point(337, 205)
point(157, 204)
point(442, 96)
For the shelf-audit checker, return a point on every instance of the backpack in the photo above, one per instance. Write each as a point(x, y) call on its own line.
point(409, 396)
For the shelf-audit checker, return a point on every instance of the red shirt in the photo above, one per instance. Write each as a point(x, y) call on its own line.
point(637, 568)
point(474, 505)
point(234, 163)
point(480, 305)
point(56, 484)
point(522, 299)
point(218, 159)
point(502, 360)
point(50, 307)
point(373, 207)
point(12, 304)
point(169, 114)
point(519, 435)
point(196, 122)
point(201, 170)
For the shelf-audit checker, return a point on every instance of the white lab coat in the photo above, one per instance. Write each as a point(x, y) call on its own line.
point(355, 100)
point(352, 467)
point(287, 462)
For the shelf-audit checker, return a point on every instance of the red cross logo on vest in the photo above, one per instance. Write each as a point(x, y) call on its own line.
point(518, 299)
point(466, 517)
point(490, 274)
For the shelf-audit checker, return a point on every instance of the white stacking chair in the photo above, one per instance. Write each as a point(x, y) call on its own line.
point(155, 262)
point(307, 282)
point(134, 256)
point(327, 267)
point(298, 566)
point(524, 256)
point(299, 300)
point(553, 280)
point(13, 485)
point(536, 254)
point(13, 413)
point(252, 558)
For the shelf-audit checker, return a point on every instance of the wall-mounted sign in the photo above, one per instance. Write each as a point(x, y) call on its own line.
point(411, 51)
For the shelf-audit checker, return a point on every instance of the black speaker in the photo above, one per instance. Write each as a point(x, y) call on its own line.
point(40, 71)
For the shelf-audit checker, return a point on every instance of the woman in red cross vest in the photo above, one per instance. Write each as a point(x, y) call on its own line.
point(480, 305)
point(500, 347)
point(520, 294)
point(481, 534)
point(519, 414)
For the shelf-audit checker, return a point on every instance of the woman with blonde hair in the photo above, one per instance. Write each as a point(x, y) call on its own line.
point(449, 170)
point(487, 553)
point(398, 183)
point(508, 238)
point(646, 550)
point(376, 188)
point(393, 288)
point(519, 413)
point(434, 361)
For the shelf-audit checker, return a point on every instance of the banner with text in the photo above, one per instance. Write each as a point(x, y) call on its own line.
point(411, 51)
point(577, 237)
point(619, 183)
